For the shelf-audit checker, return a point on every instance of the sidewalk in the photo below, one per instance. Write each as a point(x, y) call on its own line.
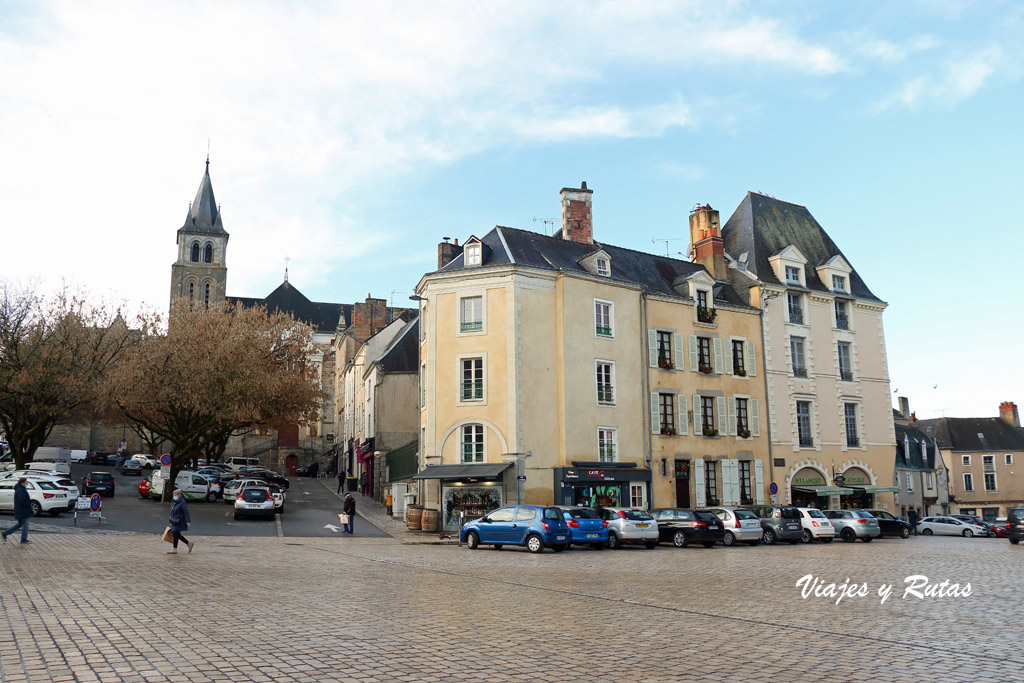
point(377, 515)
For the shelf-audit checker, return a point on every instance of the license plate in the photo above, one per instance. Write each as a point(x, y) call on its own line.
point(593, 535)
point(793, 526)
point(642, 526)
point(559, 538)
point(713, 526)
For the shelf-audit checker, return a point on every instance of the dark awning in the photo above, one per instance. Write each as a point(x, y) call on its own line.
point(824, 490)
point(463, 471)
point(875, 489)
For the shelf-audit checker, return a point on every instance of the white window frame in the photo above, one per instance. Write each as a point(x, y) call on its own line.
point(910, 482)
point(1009, 459)
point(799, 298)
point(797, 270)
point(638, 492)
point(849, 359)
point(459, 359)
point(611, 319)
point(835, 314)
point(803, 356)
point(603, 267)
point(463, 442)
point(995, 483)
point(463, 331)
point(929, 482)
point(613, 432)
point(965, 460)
point(810, 424)
point(472, 254)
point(857, 421)
point(597, 392)
point(839, 280)
point(968, 482)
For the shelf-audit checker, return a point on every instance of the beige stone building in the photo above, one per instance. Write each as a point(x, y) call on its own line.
point(985, 460)
point(564, 370)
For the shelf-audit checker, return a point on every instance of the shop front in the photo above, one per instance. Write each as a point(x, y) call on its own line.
point(809, 488)
point(863, 491)
point(590, 484)
point(466, 491)
point(365, 457)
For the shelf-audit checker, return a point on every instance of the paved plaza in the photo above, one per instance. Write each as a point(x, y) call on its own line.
point(94, 606)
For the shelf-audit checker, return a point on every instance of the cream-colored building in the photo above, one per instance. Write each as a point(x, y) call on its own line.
point(563, 370)
point(829, 406)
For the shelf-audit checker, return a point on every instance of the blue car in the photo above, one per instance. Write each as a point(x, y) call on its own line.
point(534, 526)
point(586, 526)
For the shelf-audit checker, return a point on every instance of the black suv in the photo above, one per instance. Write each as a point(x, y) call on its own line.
point(98, 482)
point(1015, 525)
point(890, 524)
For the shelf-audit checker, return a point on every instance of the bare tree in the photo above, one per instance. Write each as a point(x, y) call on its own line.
point(216, 372)
point(54, 355)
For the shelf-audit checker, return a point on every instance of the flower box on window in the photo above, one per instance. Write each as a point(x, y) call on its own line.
point(668, 431)
point(746, 501)
point(710, 431)
point(665, 363)
point(705, 368)
point(706, 315)
point(713, 501)
point(743, 433)
point(739, 372)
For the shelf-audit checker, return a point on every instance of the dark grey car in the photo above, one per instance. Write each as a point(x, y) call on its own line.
point(1015, 525)
point(778, 523)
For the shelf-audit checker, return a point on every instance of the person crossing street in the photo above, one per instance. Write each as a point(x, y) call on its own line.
point(22, 511)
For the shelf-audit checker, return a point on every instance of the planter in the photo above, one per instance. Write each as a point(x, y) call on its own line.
point(710, 432)
point(743, 434)
point(706, 369)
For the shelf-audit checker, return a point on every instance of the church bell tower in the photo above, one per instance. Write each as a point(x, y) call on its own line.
point(200, 272)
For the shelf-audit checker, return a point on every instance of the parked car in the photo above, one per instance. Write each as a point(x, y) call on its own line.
point(98, 482)
point(739, 524)
point(681, 527)
point(277, 493)
point(191, 485)
point(997, 529)
point(265, 474)
point(1015, 525)
point(310, 470)
point(853, 524)
point(50, 467)
point(144, 488)
point(255, 501)
point(973, 519)
point(235, 486)
point(949, 526)
point(816, 526)
point(778, 523)
point(585, 526)
point(131, 467)
point(44, 495)
point(238, 461)
point(890, 524)
point(62, 482)
point(148, 462)
point(536, 527)
point(630, 525)
point(79, 456)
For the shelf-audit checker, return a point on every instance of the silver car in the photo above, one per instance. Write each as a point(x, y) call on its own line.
point(740, 525)
point(255, 501)
point(853, 524)
point(630, 525)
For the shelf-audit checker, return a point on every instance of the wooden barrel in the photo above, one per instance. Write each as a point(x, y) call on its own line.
point(413, 516)
point(429, 520)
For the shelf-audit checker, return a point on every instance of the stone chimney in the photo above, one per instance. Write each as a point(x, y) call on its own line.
point(368, 318)
point(708, 245)
point(577, 214)
point(904, 407)
point(1008, 411)
point(446, 252)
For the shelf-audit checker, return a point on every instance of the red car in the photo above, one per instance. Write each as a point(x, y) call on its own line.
point(144, 488)
point(998, 529)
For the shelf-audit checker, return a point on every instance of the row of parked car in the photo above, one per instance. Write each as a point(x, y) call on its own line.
point(560, 527)
point(253, 490)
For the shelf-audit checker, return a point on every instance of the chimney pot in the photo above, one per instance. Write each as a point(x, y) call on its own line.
point(577, 214)
point(1008, 411)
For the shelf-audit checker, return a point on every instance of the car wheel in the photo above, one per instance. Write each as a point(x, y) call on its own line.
point(560, 547)
point(768, 537)
point(679, 540)
point(650, 545)
point(848, 536)
point(534, 543)
point(211, 497)
point(473, 541)
point(36, 508)
point(807, 537)
point(709, 545)
point(1014, 541)
point(826, 540)
point(868, 539)
point(926, 532)
point(613, 541)
point(905, 533)
point(729, 540)
point(968, 533)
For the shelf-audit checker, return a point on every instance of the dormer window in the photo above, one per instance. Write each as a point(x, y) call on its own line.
point(792, 275)
point(838, 283)
point(603, 268)
point(472, 254)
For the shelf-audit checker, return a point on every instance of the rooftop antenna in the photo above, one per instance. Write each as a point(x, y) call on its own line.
point(286, 260)
point(666, 240)
point(548, 223)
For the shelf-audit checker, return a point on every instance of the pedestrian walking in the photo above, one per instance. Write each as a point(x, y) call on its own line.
point(341, 479)
point(912, 517)
point(22, 510)
point(362, 483)
point(179, 521)
point(350, 510)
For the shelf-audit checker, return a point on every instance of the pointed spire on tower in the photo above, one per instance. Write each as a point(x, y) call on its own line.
point(286, 260)
point(204, 213)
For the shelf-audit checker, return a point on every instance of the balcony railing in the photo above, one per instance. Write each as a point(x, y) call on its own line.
point(853, 441)
point(706, 315)
point(605, 393)
point(472, 452)
point(606, 453)
point(472, 325)
point(842, 322)
point(990, 467)
point(472, 390)
point(806, 441)
point(800, 372)
point(603, 331)
point(796, 316)
point(846, 375)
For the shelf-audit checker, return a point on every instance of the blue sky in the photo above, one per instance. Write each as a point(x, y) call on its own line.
point(352, 136)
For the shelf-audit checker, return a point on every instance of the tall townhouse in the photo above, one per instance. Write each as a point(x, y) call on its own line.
point(563, 370)
point(830, 418)
point(982, 456)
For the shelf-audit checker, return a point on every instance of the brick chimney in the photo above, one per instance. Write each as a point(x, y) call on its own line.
point(904, 407)
point(1008, 411)
point(577, 214)
point(446, 252)
point(708, 245)
point(368, 318)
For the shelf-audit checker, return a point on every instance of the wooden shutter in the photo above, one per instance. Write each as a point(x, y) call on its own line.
point(731, 420)
point(697, 424)
point(655, 414)
point(652, 348)
point(692, 341)
point(716, 345)
point(755, 418)
point(750, 362)
point(728, 356)
point(720, 416)
point(734, 481)
point(758, 483)
point(677, 352)
point(725, 491)
point(698, 481)
point(683, 422)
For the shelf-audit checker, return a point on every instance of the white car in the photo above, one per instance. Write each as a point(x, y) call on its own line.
point(232, 489)
point(740, 525)
point(816, 526)
point(192, 486)
point(949, 526)
point(45, 496)
point(148, 462)
point(63, 482)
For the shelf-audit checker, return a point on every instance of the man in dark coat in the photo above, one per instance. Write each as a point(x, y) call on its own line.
point(22, 510)
point(341, 479)
point(350, 510)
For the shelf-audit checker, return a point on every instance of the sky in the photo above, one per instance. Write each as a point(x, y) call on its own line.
point(351, 137)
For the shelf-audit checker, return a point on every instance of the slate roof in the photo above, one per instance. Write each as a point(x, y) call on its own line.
point(404, 353)
point(961, 433)
point(762, 226)
point(915, 461)
point(287, 299)
point(204, 214)
point(534, 250)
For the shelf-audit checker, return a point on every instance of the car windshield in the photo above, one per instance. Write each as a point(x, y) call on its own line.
point(790, 513)
point(864, 515)
point(97, 476)
point(582, 513)
point(254, 495)
point(636, 515)
point(817, 514)
point(46, 486)
point(705, 516)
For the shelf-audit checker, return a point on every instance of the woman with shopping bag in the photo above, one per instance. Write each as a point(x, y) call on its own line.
point(178, 522)
point(348, 514)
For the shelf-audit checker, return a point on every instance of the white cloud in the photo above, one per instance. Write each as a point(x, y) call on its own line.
point(956, 80)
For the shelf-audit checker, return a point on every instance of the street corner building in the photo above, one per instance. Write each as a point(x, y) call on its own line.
point(563, 370)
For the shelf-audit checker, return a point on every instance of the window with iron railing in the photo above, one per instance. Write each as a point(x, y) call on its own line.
point(796, 350)
point(473, 443)
point(605, 382)
point(664, 350)
point(668, 414)
point(472, 313)
point(850, 415)
point(796, 309)
point(845, 364)
point(989, 463)
point(472, 379)
point(603, 318)
point(738, 364)
point(842, 321)
point(606, 438)
point(803, 423)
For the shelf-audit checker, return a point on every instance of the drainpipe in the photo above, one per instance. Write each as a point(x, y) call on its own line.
point(645, 386)
point(764, 374)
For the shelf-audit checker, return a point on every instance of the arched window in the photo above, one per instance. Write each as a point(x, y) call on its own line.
point(208, 253)
point(195, 252)
point(191, 291)
point(206, 295)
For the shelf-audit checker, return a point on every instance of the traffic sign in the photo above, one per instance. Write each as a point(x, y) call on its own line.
point(95, 502)
point(839, 480)
point(165, 459)
point(83, 503)
point(773, 488)
point(165, 472)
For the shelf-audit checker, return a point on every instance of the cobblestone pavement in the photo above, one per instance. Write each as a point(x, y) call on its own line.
point(114, 607)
